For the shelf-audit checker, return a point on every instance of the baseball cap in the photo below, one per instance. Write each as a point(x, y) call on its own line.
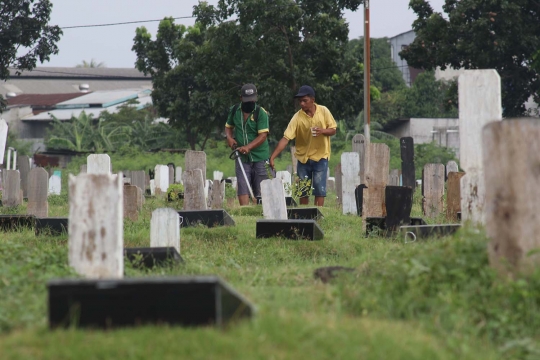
point(249, 93)
point(305, 90)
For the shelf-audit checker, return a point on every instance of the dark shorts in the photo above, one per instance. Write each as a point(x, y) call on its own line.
point(255, 172)
point(316, 171)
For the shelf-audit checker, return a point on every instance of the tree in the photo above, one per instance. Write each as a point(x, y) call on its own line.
point(24, 25)
point(91, 64)
point(477, 34)
point(198, 72)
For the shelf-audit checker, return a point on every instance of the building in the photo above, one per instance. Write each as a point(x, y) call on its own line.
point(444, 132)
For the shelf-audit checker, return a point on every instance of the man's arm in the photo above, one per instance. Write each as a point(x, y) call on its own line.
point(258, 141)
point(279, 148)
point(231, 142)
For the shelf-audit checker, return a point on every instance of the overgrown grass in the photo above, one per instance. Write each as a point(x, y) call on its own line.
point(436, 299)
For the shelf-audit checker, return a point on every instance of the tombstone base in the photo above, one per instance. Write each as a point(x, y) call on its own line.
point(289, 201)
point(290, 229)
point(51, 226)
point(378, 224)
point(209, 218)
point(184, 301)
point(16, 222)
point(304, 214)
point(426, 231)
point(149, 257)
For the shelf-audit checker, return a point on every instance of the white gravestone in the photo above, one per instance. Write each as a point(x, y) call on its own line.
point(194, 190)
point(273, 199)
point(178, 175)
point(161, 179)
point(165, 228)
point(38, 187)
point(479, 104)
point(55, 183)
point(359, 146)
point(98, 164)
point(451, 166)
point(152, 187)
point(218, 175)
point(285, 178)
point(3, 139)
point(96, 225)
point(11, 194)
point(350, 168)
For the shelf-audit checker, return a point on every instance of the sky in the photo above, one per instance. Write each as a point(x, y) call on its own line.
point(112, 44)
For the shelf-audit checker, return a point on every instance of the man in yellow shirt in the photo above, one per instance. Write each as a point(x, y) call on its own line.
point(312, 127)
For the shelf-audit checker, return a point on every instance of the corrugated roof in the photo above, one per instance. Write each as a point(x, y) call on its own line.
point(103, 98)
point(62, 86)
point(42, 100)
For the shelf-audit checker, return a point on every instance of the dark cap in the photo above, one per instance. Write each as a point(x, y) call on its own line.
point(249, 93)
point(305, 90)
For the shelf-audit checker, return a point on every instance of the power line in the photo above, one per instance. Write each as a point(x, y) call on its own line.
point(122, 23)
point(92, 76)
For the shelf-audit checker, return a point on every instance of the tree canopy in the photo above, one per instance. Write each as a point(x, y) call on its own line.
point(24, 25)
point(477, 34)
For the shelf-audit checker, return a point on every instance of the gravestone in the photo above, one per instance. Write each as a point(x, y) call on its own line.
point(350, 168)
point(273, 199)
point(161, 179)
point(339, 176)
point(294, 160)
point(131, 202)
point(433, 189)
point(178, 175)
point(138, 178)
point(96, 239)
point(24, 170)
point(451, 166)
point(233, 181)
point(408, 177)
point(453, 195)
point(196, 160)
point(376, 179)
point(152, 187)
point(38, 188)
point(331, 184)
point(140, 198)
point(165, 228)
point(55, 183)
point(83, 169)
point(512, 172)
point(398, 203)
point(479, 104)
point(98, 164)
point(218, 175)
point(3, 139)
point(359, 146)
point(194, 190)
point(218, 195)
point(285, 178)
point(207, 192)
point(11, 194)
point(171, 174)
point(290, 169)
point(394, 177)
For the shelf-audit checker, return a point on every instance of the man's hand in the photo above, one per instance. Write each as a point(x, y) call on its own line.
point(272, 164)
point(244, 150)
point(231, 142)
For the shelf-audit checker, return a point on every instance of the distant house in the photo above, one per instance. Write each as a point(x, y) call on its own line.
point(444, 132)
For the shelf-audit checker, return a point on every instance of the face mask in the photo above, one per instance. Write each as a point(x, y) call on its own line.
point(248, 107)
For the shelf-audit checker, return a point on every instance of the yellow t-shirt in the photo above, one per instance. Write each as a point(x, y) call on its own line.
point(308, 146)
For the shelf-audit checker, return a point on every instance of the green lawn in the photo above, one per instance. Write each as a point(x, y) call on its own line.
point(434, 299)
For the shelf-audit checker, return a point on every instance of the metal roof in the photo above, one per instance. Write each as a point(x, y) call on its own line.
point(103, 98)
point(41, 100)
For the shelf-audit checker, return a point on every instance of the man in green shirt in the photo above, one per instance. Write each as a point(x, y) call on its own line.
point(247, 129)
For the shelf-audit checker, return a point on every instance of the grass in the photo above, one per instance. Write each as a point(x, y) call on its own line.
point(435, 299)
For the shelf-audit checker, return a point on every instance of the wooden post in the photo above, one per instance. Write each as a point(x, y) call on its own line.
point(453, 195)
point(433, 186)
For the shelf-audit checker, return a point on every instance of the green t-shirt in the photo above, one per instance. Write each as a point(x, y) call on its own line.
point(246, 131)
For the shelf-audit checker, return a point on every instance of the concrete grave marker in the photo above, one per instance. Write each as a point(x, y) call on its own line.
point(218, 175)
point(196, 160)
point(96, 238)
point(171, 174)
point(11, 195)
point(359, 146)
point(512, 173)
point(3, 139)
point(451, 166)
point(138, 178)
point(55, 183)
point(178, 175)
point(394, 177)
point(38, 188)
point(376, 179)
point(24, 170)
point(83, 169)
point(152, 187)
point(161, 179)
point(433, 189)
point(165, 228)
point(339, 177)
point(218, 195)
point(331, 184)
point(479, 104)
point(131, 202)
point(453, 195)
point(290, 169)
point(350, 168)
point(273, 199)
point(194, 190)
point(98, 164)
point(285, 178)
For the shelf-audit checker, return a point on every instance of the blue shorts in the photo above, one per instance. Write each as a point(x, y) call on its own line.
point(316, 171)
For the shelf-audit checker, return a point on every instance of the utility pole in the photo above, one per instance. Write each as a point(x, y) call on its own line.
point(367, 73)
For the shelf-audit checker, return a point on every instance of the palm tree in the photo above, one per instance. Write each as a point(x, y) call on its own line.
point(91, 64)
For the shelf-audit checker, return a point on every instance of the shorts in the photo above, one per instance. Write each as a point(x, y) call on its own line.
point(255, 172)
point(316, 171)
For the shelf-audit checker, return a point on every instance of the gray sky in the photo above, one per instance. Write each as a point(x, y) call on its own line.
point(112, 45)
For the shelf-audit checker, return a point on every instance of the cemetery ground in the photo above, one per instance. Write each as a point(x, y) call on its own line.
point(435, 299)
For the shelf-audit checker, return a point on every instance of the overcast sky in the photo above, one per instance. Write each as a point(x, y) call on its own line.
point(112, 44)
